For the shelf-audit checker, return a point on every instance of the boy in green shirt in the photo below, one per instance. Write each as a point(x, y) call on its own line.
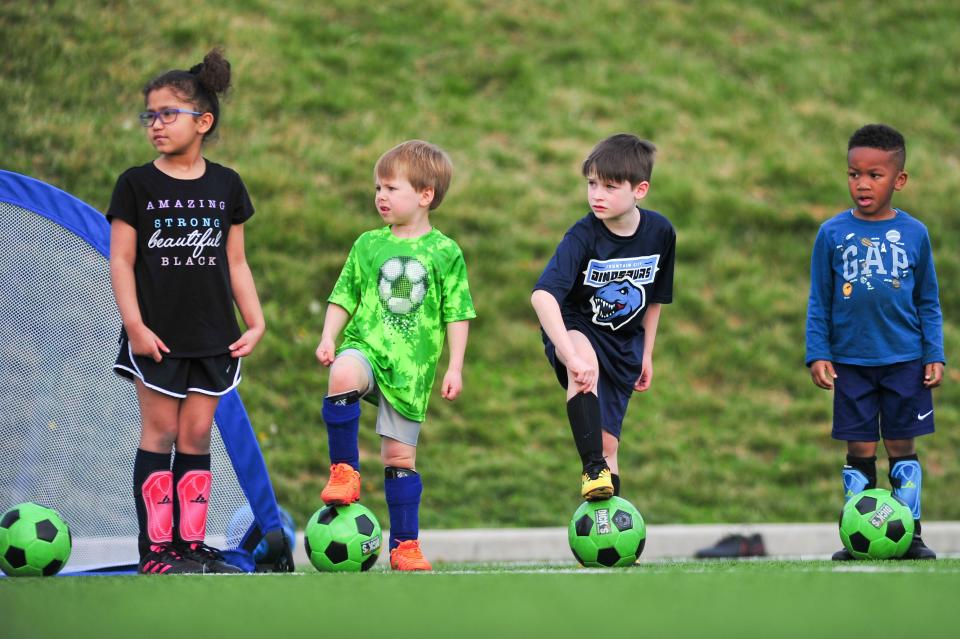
point(403, 286)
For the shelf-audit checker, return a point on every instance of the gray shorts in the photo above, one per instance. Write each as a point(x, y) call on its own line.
point(390, 423)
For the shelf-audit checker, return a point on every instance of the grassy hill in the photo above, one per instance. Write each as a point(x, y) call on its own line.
point(750, 104)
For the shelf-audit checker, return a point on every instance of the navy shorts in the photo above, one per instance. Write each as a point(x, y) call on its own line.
point(176, 376)
point(613, 398)
point(870, 402)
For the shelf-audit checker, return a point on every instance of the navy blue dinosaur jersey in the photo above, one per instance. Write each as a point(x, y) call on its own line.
point(604, 283)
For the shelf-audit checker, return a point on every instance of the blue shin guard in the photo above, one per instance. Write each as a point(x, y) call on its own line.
point(905, 478)
point(341, 413)
point(402, 488)
point(854, 482)
point(859, 474)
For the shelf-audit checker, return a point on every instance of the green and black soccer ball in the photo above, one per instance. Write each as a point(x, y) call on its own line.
point(875, 524)
point(607, 533)
point(34, 541)
point(343, 538)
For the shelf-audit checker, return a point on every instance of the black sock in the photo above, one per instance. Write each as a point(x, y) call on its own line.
point(867, 466)
point(583, 411)
point(616, 484)
point(156, 468)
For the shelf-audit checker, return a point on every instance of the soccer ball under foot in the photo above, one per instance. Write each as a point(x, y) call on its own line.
point(343, 538)
point(607, 533)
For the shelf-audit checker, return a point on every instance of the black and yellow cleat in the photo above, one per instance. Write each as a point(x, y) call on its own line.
point(596, 484)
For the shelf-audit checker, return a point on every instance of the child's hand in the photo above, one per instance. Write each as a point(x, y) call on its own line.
point(584, 374)
point(822, 373)
point(646, 377)
point(326, 351)
point(245, 345)
point(145, 343)
point(452, 385)
point(933, 374)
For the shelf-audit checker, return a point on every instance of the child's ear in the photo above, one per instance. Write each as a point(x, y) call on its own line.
point(426, 197)
point(640, 190)
point(204, 122)
point(901, 181)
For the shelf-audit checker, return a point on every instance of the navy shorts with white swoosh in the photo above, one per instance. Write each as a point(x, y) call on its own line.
point(889, 402)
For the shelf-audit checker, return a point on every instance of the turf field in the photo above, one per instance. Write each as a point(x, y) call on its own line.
point(655, 599)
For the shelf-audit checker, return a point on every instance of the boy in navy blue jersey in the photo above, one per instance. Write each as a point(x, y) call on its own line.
point(598, 302)
point(874, 327)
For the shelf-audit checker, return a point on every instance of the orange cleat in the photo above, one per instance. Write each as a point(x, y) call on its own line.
point(343, 487)
point(407, 556)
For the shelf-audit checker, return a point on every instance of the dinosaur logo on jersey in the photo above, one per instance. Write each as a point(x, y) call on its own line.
point(620, 295)
point(616, 303)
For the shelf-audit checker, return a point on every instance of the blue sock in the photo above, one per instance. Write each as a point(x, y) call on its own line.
point(905, 477)
point(343, 426)
point(402, 488)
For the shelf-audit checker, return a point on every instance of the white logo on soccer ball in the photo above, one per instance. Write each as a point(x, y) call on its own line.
point(402, 285)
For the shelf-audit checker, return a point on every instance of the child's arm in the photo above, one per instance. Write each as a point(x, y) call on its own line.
point(457, 343)
point(548, 312)
point(123, 255)
point(651, 319)
point(818, 354)
point(334, 321)
point(245, 294)
point(926, 293)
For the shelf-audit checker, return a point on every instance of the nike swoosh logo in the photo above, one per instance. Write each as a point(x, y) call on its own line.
point(924, 416)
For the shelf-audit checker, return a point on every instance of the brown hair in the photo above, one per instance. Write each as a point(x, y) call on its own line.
point(423, 164)
point(199, 86)
point(621, 158)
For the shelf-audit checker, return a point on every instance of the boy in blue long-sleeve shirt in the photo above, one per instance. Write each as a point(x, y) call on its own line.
point(874, 326)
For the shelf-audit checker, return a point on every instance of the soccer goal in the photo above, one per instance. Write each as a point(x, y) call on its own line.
point(69, 426)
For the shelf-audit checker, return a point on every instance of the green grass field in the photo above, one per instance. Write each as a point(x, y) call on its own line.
point(655, 599)
point(750, 104)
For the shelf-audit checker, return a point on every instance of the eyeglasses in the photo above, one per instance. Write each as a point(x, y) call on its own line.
point(167, 116)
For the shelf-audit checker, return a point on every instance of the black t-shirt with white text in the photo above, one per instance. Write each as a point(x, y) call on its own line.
point(604, 283)
point(181, 271)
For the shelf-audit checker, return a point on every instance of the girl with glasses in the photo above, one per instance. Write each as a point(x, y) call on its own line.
point(178, 268)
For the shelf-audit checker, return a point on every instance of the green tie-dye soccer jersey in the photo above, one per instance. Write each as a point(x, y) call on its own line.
point(400, 294)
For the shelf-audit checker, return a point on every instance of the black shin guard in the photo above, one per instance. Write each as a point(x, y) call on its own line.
point(583, 411)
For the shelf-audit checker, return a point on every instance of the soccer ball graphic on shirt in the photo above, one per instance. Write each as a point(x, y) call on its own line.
point(34, 541)
point(876, 525)
point(402, 284)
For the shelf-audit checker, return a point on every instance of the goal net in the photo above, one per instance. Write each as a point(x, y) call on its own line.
point(69, 427)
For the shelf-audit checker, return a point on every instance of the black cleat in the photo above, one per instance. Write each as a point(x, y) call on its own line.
point(843, 555)
point(210, 559)
point(734, 546)
point(918, 550)
point(164, 559)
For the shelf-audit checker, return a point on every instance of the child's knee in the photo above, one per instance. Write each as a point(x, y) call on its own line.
point(346, 375)
point(158, 435)
point(397, 454)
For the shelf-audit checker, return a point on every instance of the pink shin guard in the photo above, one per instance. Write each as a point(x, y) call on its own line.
point(193, 495)
point(157, 495)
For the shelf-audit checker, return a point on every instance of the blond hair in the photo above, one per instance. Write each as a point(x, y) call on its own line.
point(424, 165)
